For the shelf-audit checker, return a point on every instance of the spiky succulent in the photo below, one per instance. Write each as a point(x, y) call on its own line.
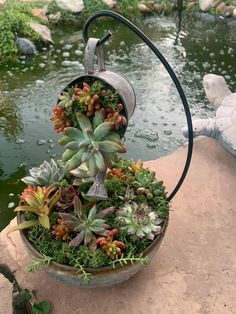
point(96, 145)
point(139, 220)
point(47, 173)
point(87, 226)
point(40, 201)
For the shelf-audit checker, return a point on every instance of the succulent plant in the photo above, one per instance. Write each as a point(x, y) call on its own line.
point(47, 173)
point(117, 172)
point(143, 181)
point(40, 201)
point(60, 119)
point(66, 200)
point(139, 220)
point(60, 231)
point(112, 248)
point(129, 195)
point(94, 147)
point(87, 226)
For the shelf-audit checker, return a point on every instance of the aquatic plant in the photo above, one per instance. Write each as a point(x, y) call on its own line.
point(47, 173)
point(139, 220)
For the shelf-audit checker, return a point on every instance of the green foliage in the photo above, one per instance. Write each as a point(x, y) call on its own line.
point(86, 277)
point(91, 6)
point(42, 307)
point(38, 263)
point(14, 19)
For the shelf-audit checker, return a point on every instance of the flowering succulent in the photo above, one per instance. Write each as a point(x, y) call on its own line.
point(60, 119)
point(87, 226)
point(139, 220)
point(112, 248)
point(137, 166)
point(40, 201)
point(96, 147)
point(47, 173)
point(66, 200)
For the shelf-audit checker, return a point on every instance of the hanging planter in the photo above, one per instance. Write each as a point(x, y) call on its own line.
point(92, 218)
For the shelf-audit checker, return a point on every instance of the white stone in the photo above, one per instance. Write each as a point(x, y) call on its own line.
point(43, 31)
point(206, 4)
point(234, 12)
point(74, 6)
point(6, 289)
point(110, 3)
point(223, 126)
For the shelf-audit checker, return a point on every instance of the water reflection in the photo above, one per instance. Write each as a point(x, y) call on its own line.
point(10, 119)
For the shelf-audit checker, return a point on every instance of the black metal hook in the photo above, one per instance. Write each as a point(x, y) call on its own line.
point(174, 78)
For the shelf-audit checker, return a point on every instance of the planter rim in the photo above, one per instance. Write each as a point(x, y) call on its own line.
point(91, 270)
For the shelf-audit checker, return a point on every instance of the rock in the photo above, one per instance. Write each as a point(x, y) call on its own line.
point(190, 5)
point(220, 6)
point(43, 31)
point(25, 46)
point(143, 8)
point(150, 5)
point(74, 6)
point(110, 3)
point(227, 11)
point(40, 13)
point(55, 18)
point(159, 8)
point(223, 126)
point(205, 5)
point(234, 12)
point(6, 289)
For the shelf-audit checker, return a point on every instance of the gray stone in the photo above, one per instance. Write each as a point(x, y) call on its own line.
point(74, 6)
point(223, 126)
point(6, 289)
point(25, 46)
point(227, 11)
point(143, 8)
point(55, 18)
point(43, 31)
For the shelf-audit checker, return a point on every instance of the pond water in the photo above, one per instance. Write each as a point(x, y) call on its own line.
point(28, 91)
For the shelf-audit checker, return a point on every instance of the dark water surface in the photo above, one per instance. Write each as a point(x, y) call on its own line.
point(28, 91)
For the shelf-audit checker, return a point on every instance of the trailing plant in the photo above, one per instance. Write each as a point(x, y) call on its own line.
point(38, 263)
point(123, 261)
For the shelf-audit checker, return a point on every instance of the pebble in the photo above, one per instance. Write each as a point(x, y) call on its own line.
point(39, 82)
point(78, 52)
point(65, 54)
point(11, 205)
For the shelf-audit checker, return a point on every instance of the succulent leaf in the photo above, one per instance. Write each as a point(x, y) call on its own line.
point(83, 121)
point(102, 130)
point(99, 160)
point(109, 147)
point(67, 155)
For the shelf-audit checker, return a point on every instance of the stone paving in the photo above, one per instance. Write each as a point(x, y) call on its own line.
point(195, 269)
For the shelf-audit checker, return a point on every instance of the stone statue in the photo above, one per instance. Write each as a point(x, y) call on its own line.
point(223, 126)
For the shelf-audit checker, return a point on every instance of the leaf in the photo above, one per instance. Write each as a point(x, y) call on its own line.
point(83, 121)
point(105, 212)
point(102, 130)
point(77, 240)
point(99, 161)
point(43, 307)
point(44, 221)
point(23, 225)
point(92, 212)
point(109, 147)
